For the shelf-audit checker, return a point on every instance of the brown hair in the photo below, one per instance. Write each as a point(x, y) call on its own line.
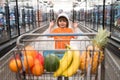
point(65, 19)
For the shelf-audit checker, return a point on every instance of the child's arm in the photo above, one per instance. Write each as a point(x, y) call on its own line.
point(75, 27)
point(51, 26)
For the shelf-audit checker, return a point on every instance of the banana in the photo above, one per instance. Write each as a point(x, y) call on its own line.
point(64, 63)
point(63, 58)
point(72, 69)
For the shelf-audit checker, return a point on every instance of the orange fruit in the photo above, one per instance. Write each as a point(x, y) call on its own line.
point(30, 51)
point(37, 61)
point(28, 62)
point(15, 65)
point(37, 70)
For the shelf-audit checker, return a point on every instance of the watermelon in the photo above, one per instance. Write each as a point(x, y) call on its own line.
point(51, 62)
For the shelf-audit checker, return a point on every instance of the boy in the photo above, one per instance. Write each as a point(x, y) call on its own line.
point(62, 27)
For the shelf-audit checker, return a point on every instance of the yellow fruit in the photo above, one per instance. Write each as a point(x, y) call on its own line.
point(84, 60)
point(64, 63)
point(97, 52)
point(91, 47)
point(94, 60)
point(74, 66)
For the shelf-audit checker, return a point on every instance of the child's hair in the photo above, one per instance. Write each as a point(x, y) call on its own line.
point(65, 19)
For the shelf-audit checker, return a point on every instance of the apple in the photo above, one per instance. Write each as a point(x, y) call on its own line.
point(40, 58)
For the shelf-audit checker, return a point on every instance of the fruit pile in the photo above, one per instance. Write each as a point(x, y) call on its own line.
point(32, 60)
point(94, 55)
point(69, 64)
point(36, 64)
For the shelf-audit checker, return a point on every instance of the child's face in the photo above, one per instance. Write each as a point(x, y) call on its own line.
point(62, 22)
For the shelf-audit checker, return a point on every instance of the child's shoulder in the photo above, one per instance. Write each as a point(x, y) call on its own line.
point(55, 30)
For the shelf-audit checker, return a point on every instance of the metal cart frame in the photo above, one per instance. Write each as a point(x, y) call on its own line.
point(33, 39)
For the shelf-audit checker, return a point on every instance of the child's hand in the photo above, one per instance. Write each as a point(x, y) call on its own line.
point(75, 24)
point(51, 24)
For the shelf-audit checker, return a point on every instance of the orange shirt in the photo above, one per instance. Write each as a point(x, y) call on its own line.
point(61, 41)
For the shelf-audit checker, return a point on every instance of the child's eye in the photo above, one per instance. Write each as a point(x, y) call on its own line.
point(60, 20)
point(64, 20)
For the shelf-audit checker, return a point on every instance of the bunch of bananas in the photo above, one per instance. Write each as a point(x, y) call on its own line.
point(69, 64)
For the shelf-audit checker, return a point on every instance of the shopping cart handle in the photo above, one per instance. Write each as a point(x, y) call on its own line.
point(71, 34)
point(55, 34)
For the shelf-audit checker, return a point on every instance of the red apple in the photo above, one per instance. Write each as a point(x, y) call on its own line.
point(40, 57)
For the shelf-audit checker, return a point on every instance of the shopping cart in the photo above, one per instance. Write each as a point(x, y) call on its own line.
point(44, 44)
